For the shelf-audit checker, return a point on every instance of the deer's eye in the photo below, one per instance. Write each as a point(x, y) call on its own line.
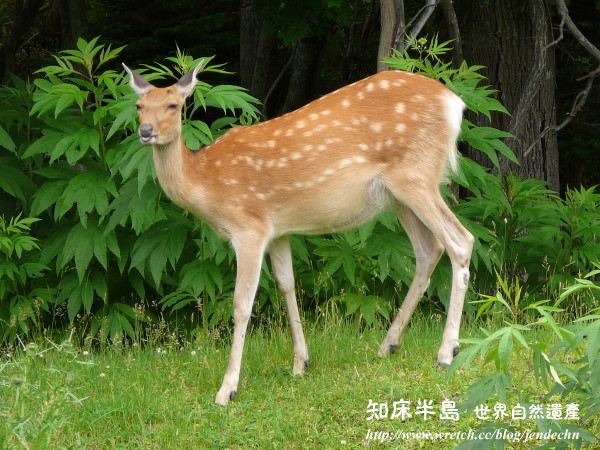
point(173, 106)
point(138, 107)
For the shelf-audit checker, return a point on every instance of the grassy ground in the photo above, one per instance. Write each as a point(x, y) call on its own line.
point(59, 396)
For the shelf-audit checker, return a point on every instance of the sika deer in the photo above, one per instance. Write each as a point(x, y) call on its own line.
point(385, 141)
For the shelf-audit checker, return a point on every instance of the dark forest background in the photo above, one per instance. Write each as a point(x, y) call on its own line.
point(288, 53)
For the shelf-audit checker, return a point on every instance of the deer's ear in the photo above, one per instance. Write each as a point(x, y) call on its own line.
point(187, 82)
point(137, 82)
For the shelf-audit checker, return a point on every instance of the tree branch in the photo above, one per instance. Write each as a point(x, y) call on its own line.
point(419, 20)
point(582, 96)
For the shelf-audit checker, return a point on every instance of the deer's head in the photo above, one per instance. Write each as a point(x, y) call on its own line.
point(159, 109)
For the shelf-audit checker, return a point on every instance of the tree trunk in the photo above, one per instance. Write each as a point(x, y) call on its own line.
point(388, 29)
point(304, 70)
point(22, 19)
point(73, 21)
point(510, 38)
point(256, 47)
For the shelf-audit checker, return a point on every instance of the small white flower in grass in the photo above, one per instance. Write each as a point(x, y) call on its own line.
point(102, 375)
point(85, 353)
point(193, 353)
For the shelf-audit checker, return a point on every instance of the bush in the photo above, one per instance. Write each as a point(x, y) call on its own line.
point(73, 159)
point(568, 367)
point(119, 254)
point(22, 300)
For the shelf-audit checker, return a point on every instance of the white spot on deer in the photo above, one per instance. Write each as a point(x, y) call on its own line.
point(276, 132)
point(349, 161)
point(378, 146)
point(261, 196)
point(400, 107)
point(389, 142)
point(370, 87)
point(307, 133)
point(346, 103)
point(296, 155)
point(376, 127)
point(328, 172)
point(363, 147)
point(313, 116)
point(321, 147)
point(230, 181)
point(335, 123)
point(289, 132)
point(360, 95)
point(384, 84)
point(218, 163)
point(271, 144)
point(300, 124)
point(326, 112)
point(307, 147)
point(270, 163)
point(400, 128)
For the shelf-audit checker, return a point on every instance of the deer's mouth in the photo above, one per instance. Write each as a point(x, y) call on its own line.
point(147, 139)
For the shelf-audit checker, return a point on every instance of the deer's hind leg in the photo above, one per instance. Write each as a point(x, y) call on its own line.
point(428, 250)
point(427, 204)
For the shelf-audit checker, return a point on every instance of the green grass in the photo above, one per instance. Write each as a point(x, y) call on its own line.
point(162, 397)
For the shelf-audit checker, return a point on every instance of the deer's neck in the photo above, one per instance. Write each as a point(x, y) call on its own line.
point(171, 163)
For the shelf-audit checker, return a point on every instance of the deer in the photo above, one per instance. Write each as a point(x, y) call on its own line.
point(386, 141)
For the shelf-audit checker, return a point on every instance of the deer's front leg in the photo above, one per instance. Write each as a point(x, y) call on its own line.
point(249, 253)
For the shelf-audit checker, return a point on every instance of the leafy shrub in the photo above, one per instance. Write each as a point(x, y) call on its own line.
point(21, 301)
point(119, 253)
point(533, 235)
point(73, 159)
point(568, 366)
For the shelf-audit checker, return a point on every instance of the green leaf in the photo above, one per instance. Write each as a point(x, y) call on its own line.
point(505, 348)
point(6, 141)
point(83, 244)
point(47, 195)
point(593, 342)
point(89, 190)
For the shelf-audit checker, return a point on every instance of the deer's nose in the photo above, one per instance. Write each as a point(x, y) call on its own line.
point(146, 131)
